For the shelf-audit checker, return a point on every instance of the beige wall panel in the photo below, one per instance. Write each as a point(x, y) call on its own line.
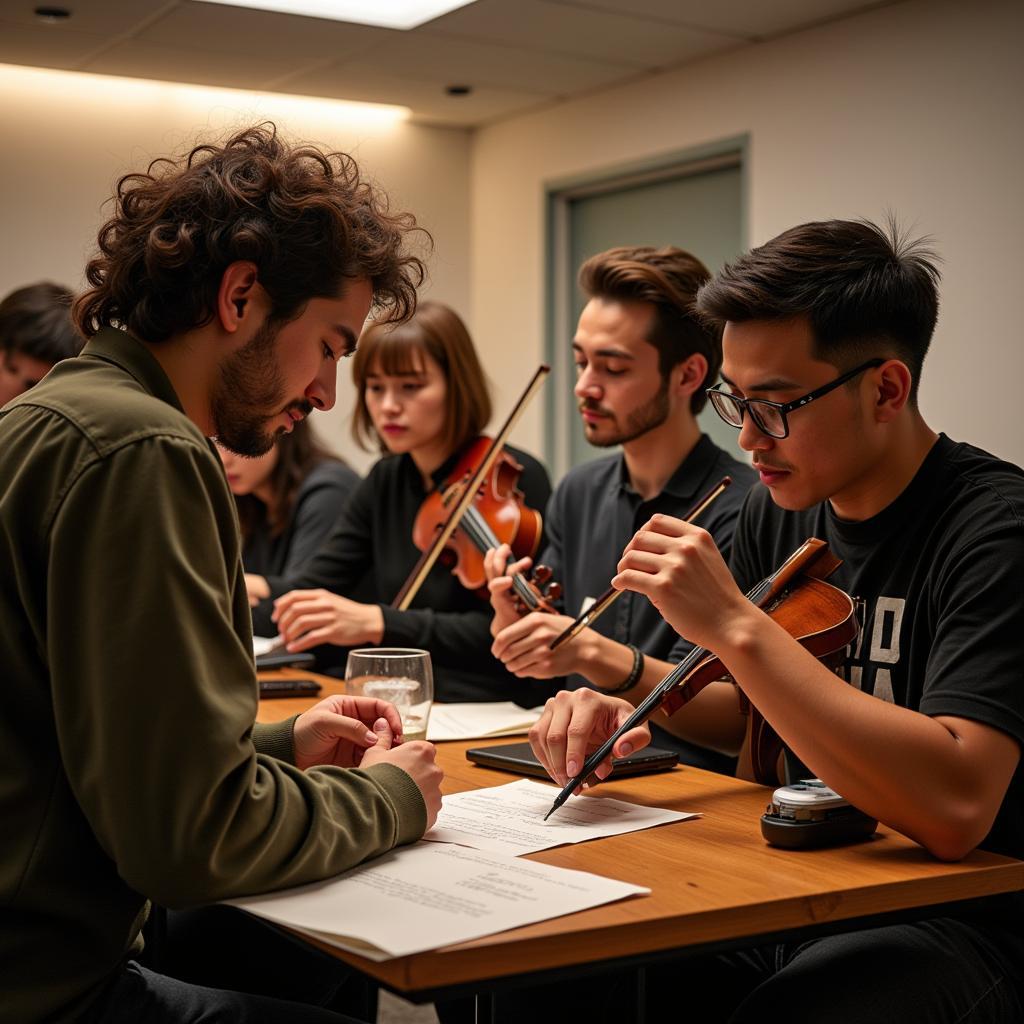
point(912, 108)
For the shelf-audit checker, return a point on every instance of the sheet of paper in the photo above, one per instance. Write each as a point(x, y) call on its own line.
point(430, 895)
point(479, 721)
point(265, 644)
point(510, 819)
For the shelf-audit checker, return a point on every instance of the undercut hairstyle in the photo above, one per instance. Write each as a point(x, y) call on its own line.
point(305, 218)
point(298, 454)
point(393, 350)
point(865, 291)
point(36, 321)
point(668, 279)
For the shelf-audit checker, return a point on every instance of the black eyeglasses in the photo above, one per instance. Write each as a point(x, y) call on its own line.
point(771, 417)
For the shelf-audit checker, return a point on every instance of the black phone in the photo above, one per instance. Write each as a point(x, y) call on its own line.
point(519, 758)
point(288, 688)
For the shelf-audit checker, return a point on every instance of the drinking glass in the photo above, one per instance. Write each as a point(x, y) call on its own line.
point(401, 675)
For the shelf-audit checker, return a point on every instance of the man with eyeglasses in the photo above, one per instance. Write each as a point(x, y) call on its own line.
point(643, 362)
point(825, 331)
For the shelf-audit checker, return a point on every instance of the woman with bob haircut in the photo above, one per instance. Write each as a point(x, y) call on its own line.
point(423, 399)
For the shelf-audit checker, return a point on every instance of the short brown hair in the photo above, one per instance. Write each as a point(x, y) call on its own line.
point(668, 279)
point(305, 218)
point(437, 330)
point(862, 289)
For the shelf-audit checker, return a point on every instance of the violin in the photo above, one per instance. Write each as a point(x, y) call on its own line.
point(818, 615)
point(481, 503)
point(497, 515)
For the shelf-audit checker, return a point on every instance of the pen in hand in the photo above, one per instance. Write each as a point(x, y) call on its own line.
point(644, 710)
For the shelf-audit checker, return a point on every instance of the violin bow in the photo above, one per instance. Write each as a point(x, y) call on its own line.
point(426, 562)
point(611, 595)
point(762, 594)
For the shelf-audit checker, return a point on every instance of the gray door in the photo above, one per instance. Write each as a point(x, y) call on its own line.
point(700, 212)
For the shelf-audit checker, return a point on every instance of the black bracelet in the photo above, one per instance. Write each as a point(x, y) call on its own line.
point(634, 674)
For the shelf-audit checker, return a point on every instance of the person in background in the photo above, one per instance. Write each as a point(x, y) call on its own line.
point(423, 400)
point(643, 359)
point(36, 332)
point(228, 284)
point(288, 500)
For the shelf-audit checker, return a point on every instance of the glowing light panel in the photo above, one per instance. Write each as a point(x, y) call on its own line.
point(403, 14)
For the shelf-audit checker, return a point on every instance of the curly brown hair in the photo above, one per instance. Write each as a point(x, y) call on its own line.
point(305, 218)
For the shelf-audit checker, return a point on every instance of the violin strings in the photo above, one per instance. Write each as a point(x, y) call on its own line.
point(480, 533)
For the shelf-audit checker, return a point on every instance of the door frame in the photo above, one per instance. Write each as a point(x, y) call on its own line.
point(558, 276)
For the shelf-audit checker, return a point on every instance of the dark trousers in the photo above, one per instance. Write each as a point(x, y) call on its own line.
point(218, 964)
point(943, 971)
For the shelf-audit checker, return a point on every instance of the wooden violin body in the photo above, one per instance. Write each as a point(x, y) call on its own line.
point(498, 502)
point(820, 616)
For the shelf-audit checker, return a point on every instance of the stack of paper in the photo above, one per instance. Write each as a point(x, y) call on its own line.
point(510, 818)
point(430, 895)
point(479, 721)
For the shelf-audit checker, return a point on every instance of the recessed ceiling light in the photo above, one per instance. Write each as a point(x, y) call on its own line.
point(402, 14)
point(52, 13)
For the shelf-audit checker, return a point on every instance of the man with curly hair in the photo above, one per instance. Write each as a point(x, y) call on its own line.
point(227, 286)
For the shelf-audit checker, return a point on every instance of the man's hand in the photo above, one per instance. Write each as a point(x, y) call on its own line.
point(306, 618)
point(339, 730)
point(574, 724)
point(499, 583)
point(416, 759)
point(524, 646)
point(256, 588)
point(678, 567)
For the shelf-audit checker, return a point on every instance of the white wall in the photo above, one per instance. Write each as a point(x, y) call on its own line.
point(913, 108)
point(66, 137)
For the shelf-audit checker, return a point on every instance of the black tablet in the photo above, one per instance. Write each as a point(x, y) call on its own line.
point(282, 659)
point(518, 758)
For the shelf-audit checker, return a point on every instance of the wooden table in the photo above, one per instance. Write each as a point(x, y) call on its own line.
point(714, 882)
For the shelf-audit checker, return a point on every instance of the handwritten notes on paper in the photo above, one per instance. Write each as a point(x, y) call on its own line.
point(470, 721)
point(509, 819)
point(430, 895)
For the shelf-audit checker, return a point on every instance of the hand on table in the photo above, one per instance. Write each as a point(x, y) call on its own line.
point(574, 724)
point(339, 730)
point(306, 618)
point(416, 759)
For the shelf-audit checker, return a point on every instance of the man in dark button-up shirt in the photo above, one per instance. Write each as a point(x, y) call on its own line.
point(643, 361)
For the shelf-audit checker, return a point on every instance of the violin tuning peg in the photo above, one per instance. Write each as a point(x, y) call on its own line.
point(542, 574)
point(553, 592)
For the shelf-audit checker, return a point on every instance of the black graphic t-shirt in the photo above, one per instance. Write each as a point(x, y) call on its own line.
point(941, 575)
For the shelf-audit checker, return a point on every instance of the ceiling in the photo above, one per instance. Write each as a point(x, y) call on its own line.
point(515, 55)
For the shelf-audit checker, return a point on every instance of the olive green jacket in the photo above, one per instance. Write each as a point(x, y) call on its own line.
point(130, 768)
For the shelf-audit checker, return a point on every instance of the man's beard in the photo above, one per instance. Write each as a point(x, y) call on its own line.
point(250, 391)
point(650, 415)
